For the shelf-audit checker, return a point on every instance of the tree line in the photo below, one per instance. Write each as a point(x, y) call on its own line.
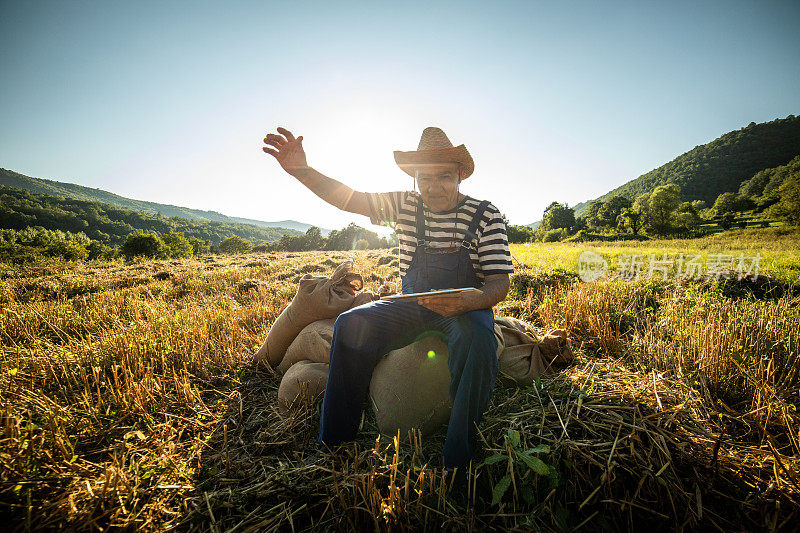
point(33, 244)
point(771, 194)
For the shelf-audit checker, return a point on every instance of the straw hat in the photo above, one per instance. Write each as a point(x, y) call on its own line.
point(435, 148)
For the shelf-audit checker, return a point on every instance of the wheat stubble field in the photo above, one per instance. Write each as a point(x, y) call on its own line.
point(128, 403)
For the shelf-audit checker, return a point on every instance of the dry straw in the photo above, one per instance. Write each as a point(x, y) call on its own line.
point(127, 403)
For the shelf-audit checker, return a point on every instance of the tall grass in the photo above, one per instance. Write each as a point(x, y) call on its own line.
point(777, 247)
point(741, 352)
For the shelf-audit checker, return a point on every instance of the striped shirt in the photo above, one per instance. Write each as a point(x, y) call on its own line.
point(490, 253)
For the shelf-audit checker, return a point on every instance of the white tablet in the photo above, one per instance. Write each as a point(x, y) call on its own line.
point(415, 295)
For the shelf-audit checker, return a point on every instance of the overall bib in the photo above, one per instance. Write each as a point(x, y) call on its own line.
point(363, 335)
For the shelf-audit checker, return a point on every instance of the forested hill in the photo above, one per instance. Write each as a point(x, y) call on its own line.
point(706, 171)
point(111, 224)
point(16, 180)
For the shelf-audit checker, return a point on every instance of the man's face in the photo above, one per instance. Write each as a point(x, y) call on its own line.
point(438, 186)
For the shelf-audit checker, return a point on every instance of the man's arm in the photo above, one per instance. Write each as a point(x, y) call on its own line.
point(334, 192)
point(494, 290)
point(292, 158)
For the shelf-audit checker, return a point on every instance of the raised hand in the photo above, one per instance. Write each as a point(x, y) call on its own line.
point(287, 150)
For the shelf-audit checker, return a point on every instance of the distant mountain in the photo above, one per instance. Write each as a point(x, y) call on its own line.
point(16, 180)
point(288, 224)
point(111, 224)
point(708, 170)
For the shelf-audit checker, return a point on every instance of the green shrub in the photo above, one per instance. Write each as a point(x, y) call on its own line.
point(95, 250)
point(98, 250)
point(554, 235)
point(726, 221)
point(19, 254)
point(70, 251)
point(235, 245)
point(139, 244)
point(518, 234)
point(177, 245)
point(109, 253)
point(200, 246)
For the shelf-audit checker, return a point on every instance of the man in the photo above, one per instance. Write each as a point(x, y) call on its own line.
point(447, 240)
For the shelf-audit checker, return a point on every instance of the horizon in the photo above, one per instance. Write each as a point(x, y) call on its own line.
point(159, 103)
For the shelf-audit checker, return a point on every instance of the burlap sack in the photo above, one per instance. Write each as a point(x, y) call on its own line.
point(368, 296)
point(317, 298)
point(410, 389)
point(302, 379)
point(556, 348)
point(364, 297)
point(526, 356)
point(311, 344)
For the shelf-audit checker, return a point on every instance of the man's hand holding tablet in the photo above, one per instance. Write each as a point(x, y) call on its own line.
point(447, 302)
point(414, 295)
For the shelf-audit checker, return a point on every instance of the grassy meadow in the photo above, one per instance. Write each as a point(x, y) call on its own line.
point(128, 402)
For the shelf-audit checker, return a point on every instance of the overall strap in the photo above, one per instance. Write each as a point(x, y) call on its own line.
point(421, 253)
point(421, 242)
point(472, 232)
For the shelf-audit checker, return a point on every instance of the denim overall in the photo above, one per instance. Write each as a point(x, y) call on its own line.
point(363, 335)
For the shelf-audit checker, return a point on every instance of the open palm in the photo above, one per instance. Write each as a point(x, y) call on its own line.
point(287, 150)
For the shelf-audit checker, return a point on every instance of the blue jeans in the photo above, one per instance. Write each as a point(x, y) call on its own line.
point(366, 333)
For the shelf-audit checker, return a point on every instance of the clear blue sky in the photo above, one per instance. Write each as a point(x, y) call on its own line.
point(169, 101)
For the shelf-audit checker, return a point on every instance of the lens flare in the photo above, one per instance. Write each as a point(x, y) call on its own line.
point(431, 354)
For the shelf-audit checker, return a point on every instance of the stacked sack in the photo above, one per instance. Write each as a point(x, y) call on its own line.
point(318, 299)
point(410, 386)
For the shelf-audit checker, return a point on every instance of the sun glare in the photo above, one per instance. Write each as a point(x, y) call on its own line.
point(354, 142)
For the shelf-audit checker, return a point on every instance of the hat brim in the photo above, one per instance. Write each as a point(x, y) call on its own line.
point(410, 161)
